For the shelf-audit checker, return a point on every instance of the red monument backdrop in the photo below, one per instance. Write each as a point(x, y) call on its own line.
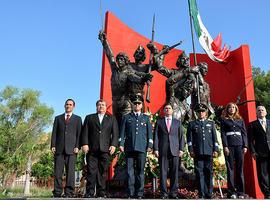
point(226, 81)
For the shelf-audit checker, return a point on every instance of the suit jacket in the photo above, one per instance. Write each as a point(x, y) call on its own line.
point(136, 134)
point(66, 137)
point(99, 137)
point(228, 125)
point(259, 140)
point(201, 137)
point(173, 139)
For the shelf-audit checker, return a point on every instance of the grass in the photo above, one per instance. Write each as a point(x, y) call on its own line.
point(42, 192)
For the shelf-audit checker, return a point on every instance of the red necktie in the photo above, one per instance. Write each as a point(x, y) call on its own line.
point(168, 124)
point(67, 119)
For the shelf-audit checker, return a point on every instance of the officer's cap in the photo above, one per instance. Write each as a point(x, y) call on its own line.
point(200, 107)
point(137, 98)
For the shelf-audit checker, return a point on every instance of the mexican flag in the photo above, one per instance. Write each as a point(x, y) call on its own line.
point(211, 47)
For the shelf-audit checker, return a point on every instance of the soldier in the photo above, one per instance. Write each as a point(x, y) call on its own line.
point(234, 140)
point(122, 77)
point(140, 70)
point(203, 87)
point(135, 140)
point(180, 83)
point(203, 146)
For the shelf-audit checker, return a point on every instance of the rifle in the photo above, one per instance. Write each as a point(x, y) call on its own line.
point(167, 49)
point(150, 60)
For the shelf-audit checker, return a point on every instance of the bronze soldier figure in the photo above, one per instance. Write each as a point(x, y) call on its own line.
point(122, 77)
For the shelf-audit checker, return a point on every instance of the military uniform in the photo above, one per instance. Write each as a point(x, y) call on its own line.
point(136, 137)
point(234, 136)
point(202, 141)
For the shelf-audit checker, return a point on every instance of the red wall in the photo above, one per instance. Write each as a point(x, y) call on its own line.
point(226, 80)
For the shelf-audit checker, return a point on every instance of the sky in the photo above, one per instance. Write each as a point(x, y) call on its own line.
point(52, 45)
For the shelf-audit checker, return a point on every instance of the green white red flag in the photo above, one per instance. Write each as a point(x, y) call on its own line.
point(211, 47)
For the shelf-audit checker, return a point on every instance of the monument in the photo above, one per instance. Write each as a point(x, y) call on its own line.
point(226, 80)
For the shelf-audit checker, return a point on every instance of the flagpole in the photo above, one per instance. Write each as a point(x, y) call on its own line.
point(194, 51)
point(192, 34)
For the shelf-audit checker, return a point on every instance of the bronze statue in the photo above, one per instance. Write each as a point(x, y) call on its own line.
point(180, 83)
point(203, 87)
point(140, 70)
point(122, 79)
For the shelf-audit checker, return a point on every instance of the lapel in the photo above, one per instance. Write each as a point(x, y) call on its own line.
point(62, 118)
point(104, 120)
point(96, 119)
point(172, 124)
point(267, 126)
point(260, 127)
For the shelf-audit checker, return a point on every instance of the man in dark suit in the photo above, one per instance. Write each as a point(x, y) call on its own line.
point(135, 139)
point(259, 142)
point(203, 146)
point(99, 140)
point(65, 145)
point(169, 145)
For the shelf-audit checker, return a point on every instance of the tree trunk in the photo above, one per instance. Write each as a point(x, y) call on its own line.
point(26, 190)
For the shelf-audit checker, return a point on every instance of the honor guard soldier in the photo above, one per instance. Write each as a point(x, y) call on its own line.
point(203, 146)
point(135, 140)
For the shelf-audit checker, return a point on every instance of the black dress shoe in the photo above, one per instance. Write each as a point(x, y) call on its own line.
point(87, 195)
point(68, 195)
point(164, 197)
point(102, 196)
point(57, 195)
point(139, 197)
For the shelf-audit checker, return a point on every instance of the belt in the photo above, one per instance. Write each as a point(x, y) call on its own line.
point(233, 133)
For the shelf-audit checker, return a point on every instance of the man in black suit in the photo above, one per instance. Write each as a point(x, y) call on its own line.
point(259, 142)
point(99, 140)
point(169, 145)
point(65, 145)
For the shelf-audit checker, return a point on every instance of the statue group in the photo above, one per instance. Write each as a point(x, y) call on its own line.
point(129, 78)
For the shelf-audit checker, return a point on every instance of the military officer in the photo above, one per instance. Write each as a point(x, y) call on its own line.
point(203, 146)
point(135, 140)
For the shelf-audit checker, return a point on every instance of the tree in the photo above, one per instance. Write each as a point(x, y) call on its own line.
point(43, 169)
point(261, 87)
point(23, 119)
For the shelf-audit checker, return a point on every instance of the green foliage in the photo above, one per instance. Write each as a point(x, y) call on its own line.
point(43, 169)
point(23, 119)
point(38, 192)
point(261, 87)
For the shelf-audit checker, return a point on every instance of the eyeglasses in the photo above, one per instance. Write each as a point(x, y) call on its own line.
point(137, 103)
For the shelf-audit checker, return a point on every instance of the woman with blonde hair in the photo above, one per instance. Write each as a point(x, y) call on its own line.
point(234, 140)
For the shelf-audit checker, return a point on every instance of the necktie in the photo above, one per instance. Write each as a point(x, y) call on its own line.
point(137, 115)
point(168, 124)
point(264, 125)
point(67, 119)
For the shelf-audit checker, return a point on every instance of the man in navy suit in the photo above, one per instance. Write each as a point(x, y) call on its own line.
point(259, 143)
point(99, 140)
point(65, 146)
point(169, 145)
point(135, 139)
